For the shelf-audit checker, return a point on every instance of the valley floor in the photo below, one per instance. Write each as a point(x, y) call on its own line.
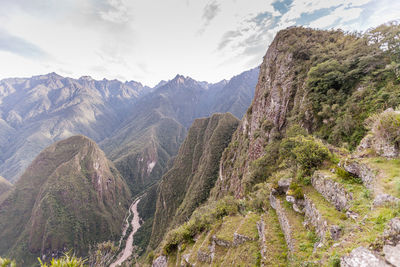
point(128, 250)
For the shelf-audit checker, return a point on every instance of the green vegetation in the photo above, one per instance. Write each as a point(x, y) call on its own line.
point(386, 126)
point(202, 219)
point(307, 153)
point(66, 261)
point(102, 254)
point(388, 171)
point(7, 263)
point(188, 183)
point(64, 200)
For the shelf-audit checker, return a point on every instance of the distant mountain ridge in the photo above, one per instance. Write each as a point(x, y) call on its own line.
point(37, 111)
point(149, 138)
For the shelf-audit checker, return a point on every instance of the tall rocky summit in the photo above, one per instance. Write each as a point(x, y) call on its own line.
point(69, 197)
point(309, 176)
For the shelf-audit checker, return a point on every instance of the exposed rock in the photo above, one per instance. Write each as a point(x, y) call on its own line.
point(383, 199)
point(335, 231)
point(332, 191)
point(261, 234)
point(360, 170)
point(365, 143)
point(221, 242)
point(379, 139)
point(185, 260)
point(203, 256)
point(352, 215)
point(391, 235)
point(314, 217)
point(362, 257)
point(161, 261)
point(239, 239)
point(297, 204)
point(283, 221)
point(392, 254)
point(283, 185)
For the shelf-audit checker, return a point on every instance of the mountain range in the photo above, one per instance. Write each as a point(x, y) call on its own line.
point(308, 177)
point(35, 112)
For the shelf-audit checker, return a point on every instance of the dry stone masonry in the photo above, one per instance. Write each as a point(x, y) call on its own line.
point(332, 191)
point(314, 217)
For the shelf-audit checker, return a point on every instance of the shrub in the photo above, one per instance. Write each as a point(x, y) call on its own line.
point(66, 261)
point(307, 153)
point(386, 126)
point(296, 191)
point(102, 254)
point(200, 220)
point(348, 177)
point(7, 263)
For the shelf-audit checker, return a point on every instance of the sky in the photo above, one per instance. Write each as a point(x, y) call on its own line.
point(153, 40)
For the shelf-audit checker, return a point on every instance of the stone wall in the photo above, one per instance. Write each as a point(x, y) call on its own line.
point(314, 217)
point(283, 221)
point(332, 191)
point(360, 170)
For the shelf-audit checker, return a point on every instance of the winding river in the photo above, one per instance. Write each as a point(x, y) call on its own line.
point(127, 252)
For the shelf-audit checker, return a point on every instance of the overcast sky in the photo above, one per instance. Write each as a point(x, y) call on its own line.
point(151, 40)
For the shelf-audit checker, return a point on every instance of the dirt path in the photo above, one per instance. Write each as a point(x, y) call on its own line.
point(127, 252)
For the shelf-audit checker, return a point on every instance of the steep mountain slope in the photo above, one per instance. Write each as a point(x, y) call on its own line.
point(188, 183)
point(235, 97)
point(69, 197)
point(314, 79)
point(157, 126)
point(298, 200)
point(5, 186)
point(35, 112)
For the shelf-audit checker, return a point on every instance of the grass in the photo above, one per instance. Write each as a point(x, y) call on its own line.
point(388, 178)
point(229, 226)
point(249, 225)
point(304, 245)
point(327, 210)
point(277, 250)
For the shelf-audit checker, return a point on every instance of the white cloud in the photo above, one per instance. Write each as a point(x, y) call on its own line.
point(117, 11)
point(339, 15)
point(153, 40)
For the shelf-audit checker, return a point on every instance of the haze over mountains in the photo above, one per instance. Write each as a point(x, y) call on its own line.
point(37, 111)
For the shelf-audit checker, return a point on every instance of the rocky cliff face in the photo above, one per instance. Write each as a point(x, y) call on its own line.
point(319, 200)
point(194, 172)
point(69, 197)
point(279, 90)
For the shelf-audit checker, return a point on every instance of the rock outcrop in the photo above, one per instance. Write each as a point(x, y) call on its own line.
point(362, 257)
point(160, 261)
point(360, 170)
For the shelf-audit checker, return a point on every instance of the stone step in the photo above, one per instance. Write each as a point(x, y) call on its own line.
point(300, 245)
